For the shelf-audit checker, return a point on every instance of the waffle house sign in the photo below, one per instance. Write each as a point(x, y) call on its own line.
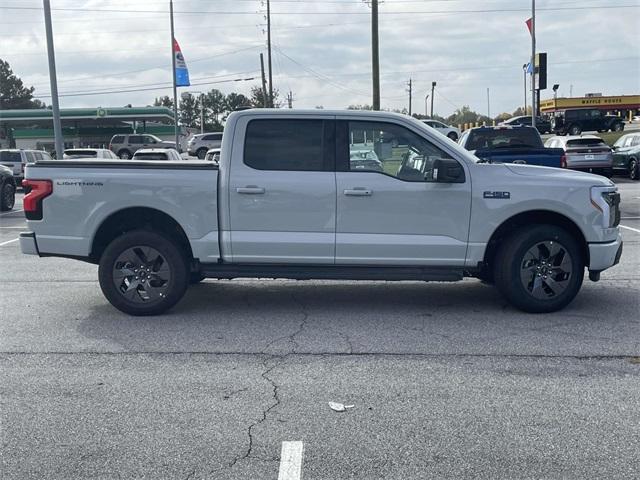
point(623, 102)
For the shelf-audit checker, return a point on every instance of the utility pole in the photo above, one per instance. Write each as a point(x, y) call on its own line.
point(570, 91)
point(173, 75)
point(290, 99)
point(524, 71)
point(488, 104)
point(375, 57)
point(433, 87)
point(53, 79)
point(410, 94)
point(265, 102)
point(201, 112)
point(533, 63)
point(269, 53)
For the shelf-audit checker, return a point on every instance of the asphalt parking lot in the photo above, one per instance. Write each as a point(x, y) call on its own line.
point(446, 380)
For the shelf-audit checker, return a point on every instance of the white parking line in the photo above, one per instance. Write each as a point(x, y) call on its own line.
point(11, 211)
point(10, 241)
point(291, 461)
point(629, 228)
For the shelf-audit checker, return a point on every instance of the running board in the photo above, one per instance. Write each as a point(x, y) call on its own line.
point(330, 272)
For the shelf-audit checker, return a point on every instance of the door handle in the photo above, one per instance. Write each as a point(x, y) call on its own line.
point(358, 192)
point(250, 190)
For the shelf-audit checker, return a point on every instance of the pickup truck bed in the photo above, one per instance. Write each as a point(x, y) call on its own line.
point(546, 157)
point(291, 198)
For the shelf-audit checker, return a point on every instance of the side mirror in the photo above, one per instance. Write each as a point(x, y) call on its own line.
point(447, 170)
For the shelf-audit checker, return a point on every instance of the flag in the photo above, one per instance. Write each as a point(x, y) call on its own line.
point(182, 72)
point(528, 22)
point(529, 69)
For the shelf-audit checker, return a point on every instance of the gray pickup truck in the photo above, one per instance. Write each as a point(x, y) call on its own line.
point(292, 198)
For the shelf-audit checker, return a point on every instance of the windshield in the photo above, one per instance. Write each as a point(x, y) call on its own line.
point(150, 156)
point(503, 138)
point(80, 154)
point(10, 157)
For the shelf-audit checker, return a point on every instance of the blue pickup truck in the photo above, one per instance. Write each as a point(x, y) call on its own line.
point(511, 144)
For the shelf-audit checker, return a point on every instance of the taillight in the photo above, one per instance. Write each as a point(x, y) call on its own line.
point(32, 202)
point(563, 161)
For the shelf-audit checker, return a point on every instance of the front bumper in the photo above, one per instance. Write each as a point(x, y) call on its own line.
point(605, 255)
point(28, 244)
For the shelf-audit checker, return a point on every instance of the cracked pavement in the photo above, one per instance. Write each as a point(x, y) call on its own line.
point(447, 380)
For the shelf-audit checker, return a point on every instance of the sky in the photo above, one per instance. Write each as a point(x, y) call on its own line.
point(321, 50)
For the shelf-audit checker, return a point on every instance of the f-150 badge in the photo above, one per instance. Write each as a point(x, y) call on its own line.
point(502, 195)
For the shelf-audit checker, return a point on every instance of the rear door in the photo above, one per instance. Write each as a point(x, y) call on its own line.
point(388, 213)
point(282, 190)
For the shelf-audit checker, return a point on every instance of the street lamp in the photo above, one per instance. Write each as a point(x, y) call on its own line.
point(186, 95)
point(426, 107)
point(555, 91)
point(433, 86)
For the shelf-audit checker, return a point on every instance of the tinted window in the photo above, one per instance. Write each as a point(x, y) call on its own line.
point(10, 157)
point(581, 142)
point(117, 139)
point(285, 144)
point(636, 141)
point(135, 139)
point(503, 138)
point(80, 153)
point(213, 136)
point(391, 149)
point(150, 156)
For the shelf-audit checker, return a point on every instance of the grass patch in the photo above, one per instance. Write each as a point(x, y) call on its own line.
point(610, 137)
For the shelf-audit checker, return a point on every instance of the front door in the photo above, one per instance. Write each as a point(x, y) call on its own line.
point(388, 211)
point(282, 193)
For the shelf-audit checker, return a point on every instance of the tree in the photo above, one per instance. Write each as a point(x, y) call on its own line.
point(503, 116)
point(360, 107)
point(257, 97)
point(189, 111)
point(165, 101)
point(235, 100)
point(214, 105)
point(13, 93)
point(466, 115)
point(519, 112)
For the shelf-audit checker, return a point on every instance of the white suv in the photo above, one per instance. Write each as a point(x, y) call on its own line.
point(198, 145)
point(452, 132)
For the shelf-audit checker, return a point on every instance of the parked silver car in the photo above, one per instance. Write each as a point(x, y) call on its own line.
point(198, 145)
point(124, 146)
point(16, 159)
point(213, 155)
point(587, 153)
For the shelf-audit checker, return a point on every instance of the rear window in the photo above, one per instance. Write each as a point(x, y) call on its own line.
point(10, 157)
point(118, 139)
point(80, 153)
point(150, 156)
point(503, 138)
point(586, 142)
point(295, 145)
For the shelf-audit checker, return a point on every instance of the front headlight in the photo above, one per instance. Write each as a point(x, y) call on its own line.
point(607, 201)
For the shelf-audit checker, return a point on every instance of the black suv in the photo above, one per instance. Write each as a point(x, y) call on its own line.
point(576, 121)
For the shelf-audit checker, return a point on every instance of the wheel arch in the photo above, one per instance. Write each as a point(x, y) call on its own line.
point(134, 218)
point(533, 217)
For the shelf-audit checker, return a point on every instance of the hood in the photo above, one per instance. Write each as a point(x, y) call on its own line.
point(559, 174)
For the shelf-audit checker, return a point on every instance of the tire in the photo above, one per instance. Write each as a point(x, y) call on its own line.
point(634, 169)
point(160, 258)
point(201, 153)
point(547, 251)
point(196, 277)
point(453, 136)
point(7, 196)
point(124, 154)
point(618, 127)
point(575, 130)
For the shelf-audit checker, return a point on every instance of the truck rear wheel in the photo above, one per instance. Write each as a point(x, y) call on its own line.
point(143, 273)
point(540, 269)
point(7, 196)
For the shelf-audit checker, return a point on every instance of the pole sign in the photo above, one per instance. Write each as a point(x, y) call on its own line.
point(541, 71)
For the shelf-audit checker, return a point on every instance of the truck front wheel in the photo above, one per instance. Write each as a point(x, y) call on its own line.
point(539, 269)
point(143, 273)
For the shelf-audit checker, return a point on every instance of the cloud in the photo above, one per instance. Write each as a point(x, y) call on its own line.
point(322, 50)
